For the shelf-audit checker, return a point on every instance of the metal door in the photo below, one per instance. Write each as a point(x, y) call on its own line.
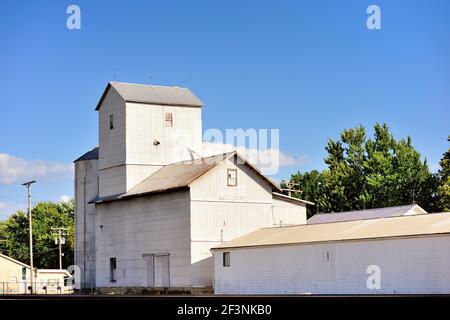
point(158, 270)
point(162, 276)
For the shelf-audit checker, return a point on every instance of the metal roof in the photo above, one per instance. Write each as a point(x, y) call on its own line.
point(177, 175)
point(404, 226)
point(162, 95)
point(366, 214)
point(90, 155)
point(180, 175)
point(284, 197)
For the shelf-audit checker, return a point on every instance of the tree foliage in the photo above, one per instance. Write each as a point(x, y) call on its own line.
point(374, 172)
point(14, 234)
point(444, 181)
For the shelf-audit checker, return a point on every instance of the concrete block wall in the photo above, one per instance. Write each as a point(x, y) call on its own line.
point(407, 265)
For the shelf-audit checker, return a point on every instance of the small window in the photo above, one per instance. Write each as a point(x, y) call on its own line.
point(232, 177)
point(325, 256)
point(111, 121)
point(226, 259)
point(169, 119)
point(113, 268)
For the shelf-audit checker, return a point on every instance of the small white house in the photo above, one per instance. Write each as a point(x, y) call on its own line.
point(395, 255)
point(15, 278)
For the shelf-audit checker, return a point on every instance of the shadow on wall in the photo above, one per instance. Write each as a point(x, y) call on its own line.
point(202, 272)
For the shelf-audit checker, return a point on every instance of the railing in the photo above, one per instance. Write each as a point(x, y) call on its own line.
point(39, 287)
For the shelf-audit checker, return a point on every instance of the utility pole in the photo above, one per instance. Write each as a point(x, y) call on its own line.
point(59, 234)
point(290, 188)
point(30, 223)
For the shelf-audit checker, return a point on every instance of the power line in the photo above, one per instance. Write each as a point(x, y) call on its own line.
point(59, 233)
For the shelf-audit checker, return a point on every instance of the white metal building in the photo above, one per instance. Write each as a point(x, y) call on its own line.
point(148, 208)
point(376, 213)
point(394, 255)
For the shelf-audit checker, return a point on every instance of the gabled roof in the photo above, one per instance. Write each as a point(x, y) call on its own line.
point(90, 155)
point(151, 94)
point(180, 175)
point(393, 227)
point(366, 214)
point(14, 260)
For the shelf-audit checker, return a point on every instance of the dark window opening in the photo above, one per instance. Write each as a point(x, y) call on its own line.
point(226, 259)
point(113, 268)
point(111, 121)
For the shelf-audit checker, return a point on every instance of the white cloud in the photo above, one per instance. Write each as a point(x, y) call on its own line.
point(268, 161)
point(8, 208)
point(17, 170)
point(64, 198)
point(303, 159)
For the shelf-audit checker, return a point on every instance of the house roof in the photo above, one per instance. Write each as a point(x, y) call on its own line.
point(63, 271)
point(90, 155)
point(403, 226)
point(151, 94)
point(14, 260)
point(180, 175)
point(39, 270)
point(365, 214)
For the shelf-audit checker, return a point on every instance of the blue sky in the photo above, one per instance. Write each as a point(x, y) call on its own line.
point(309, 68)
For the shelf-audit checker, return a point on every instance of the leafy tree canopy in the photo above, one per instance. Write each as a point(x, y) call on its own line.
point(14, 235)
point(374, 172)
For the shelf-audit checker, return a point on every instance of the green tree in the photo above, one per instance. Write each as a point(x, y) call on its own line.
point(14, 240)
point(443, 177)
point(370, 173)
point(311, 185)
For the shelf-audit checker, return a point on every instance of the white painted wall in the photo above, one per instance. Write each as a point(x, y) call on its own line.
point(146, 123)
point(127, 153)
point(112, 148)
point(222, 213)
point(11, 270)
point(408, 265)
point(128, 229)
point(288, 213)
point(86, 189)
